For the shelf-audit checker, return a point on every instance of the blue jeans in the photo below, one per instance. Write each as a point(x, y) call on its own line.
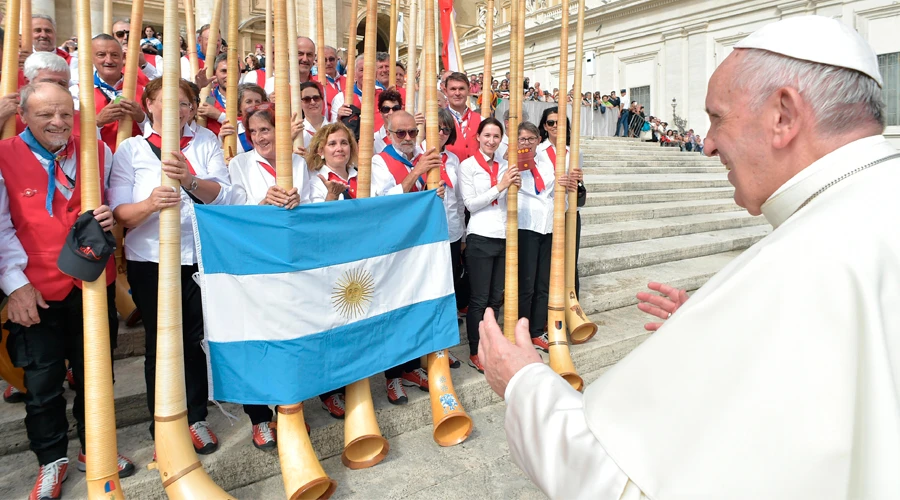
point(623, 124)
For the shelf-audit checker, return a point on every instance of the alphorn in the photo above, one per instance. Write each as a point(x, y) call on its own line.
point(182, 474)
point(209, 63)
point(451, 424)
point(10, 83)
point(511, 288)
point(268, 50)
point(229, 144)
point(351, 56)
point(301, 471)
point(124, 304)
point(190, 23)
point(12, 374)
point(560, 357)
point(27, 37)
point(294, 67)
point(364, 446)
point(581, 329)
point(392, 46)
point(320, 52)
point(102, 474)
point(108, 18)
point(487, 94)
point(411, 63)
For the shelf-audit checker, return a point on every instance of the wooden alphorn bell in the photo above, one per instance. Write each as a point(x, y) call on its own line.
point(229, 144)
point(301, 471)
point(10, 83)
point(487, 94)
point(581, 329)
point(182, 474)
point(102, 474)
point(364, 446)
point(560, 357)
point(124, 304)
point(511, 288)
point(451, 424)
point(209, 63)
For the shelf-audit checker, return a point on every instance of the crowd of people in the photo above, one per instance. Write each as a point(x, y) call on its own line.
point(44, 304)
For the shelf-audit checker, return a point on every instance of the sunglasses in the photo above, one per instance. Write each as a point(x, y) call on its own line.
point(311, 98)
point(389, 109)
point(551, 123)
point(330, 59)
point(445, 130)
point(122, 33)
point(401, 134)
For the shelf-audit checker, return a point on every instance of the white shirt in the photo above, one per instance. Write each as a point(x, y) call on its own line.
point(336, 104)
point(536, 209)
point(250, 182)
point(317, 188)
point(453, 205)
point(309, 131)
point(13, 258)
point(136, 171)
point(383, 182)
point(777, 379)
point(486, 219)
point(380, 142)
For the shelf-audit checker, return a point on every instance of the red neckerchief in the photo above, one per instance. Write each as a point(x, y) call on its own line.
point(493, 172)
point(464, 119)
point(156, 140)
point(444, 175)
point(268, 168)
point(538, 180)
point(551, 152)
point(351, 186)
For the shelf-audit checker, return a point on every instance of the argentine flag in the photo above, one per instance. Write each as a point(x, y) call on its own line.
point(299, 302)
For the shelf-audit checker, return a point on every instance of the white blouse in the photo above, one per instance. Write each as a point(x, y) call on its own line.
point(383, 181)
point(536, 209)
point(453, 205)
point(136, 171)
point(250, 181)
point(317, 188)
point(380, 142)
point(478, 195)
point(309, 130)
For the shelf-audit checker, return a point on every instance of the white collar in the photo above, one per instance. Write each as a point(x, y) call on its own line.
point(187, 131)
point(325, 170)
point(788, 198)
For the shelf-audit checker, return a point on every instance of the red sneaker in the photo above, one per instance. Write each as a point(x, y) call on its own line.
point(541, 342)
point(474, 363)
point(264, 436)
point(205, 441)
point(396, 392)
point(49, 481)
point(126, 466)
point(416, 378)
point(13, 395)
point(335, 405)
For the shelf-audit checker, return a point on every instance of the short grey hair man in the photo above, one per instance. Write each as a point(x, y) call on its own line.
point(44, 61)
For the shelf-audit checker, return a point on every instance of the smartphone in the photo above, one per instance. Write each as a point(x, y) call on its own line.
point(210, 100)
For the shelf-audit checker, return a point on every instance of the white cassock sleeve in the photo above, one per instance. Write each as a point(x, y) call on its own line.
point(550, 441)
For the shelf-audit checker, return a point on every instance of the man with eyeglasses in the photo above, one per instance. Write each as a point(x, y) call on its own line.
point(402, 168)
point(335, 83)
point(111, 107)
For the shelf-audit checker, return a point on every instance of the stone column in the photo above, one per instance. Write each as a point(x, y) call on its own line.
point(96, 22)
point(46, 7)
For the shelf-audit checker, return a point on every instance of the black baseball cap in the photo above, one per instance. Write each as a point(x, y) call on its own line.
point(87, 249)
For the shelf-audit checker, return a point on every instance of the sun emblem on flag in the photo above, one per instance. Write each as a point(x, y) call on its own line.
point(353, 292)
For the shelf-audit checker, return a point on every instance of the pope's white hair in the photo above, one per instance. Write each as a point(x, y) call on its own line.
point(43, 60)
point(841, 99)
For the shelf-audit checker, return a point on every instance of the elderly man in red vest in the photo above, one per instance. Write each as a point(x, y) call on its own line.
point(40, 199)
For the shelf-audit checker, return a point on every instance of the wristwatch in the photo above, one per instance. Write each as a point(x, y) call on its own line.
point(194, 185)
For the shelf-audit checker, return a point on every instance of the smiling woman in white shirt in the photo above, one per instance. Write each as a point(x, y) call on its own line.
point(136, 197)
point(332, 157)
point(484, 179)
point(312, 102)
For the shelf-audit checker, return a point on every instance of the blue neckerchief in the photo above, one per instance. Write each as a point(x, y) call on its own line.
point(200, 54)
point(379, 86)
point(105, 87)
point(29, 139)
point(393, 153)
point(245, 143)
point(218, 95)
point(357, 91)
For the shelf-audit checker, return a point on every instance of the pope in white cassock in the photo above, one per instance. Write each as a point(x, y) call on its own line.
point(780, 378)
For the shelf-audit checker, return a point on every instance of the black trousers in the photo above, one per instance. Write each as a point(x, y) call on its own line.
point(144, 280)
point(485, 262)
point(42, 350)
point(460, 277)
point(534, 278)
point(258, 413)
point(577, 249)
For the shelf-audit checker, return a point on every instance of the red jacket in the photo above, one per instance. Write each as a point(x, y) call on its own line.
point(42, 236)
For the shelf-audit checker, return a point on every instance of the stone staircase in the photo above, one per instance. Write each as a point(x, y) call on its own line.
point(652, 214)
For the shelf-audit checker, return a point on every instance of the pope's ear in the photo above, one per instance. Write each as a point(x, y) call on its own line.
point(788, 116)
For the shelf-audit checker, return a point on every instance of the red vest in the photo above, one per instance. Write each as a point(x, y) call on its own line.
point(65, 55)
point(398, 169)
point(22, 81)
point(42, 236)
point(466, 144)
point(332, 90)
point(212, 125)
point(108, 132)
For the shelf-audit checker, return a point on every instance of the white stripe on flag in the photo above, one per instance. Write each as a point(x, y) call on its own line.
point(290, 305)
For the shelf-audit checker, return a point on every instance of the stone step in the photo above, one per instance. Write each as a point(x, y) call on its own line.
point(637, 230)
point(691, 169)
point(604, 292)
point(620, 213)
point(641, 182)
point(643, 162)
point(237, 463)
point(637, 197)
point(648, 155)
point(620, 256)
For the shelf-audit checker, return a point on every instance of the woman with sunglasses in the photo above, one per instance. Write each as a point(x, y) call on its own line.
point(313, 105)
point(253, 183)
point(250, 96)
point(483, 181)
point(389, 101)
point(136, 198)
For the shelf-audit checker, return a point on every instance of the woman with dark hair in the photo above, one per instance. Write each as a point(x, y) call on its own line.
point(483, 181)
point(136, 197)
point(150, 36)
point(312, 101)
point(389, 101)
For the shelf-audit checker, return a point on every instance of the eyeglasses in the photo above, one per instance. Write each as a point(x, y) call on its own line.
point(186, 106)
point(401, 134)
point(390, 109)
point(311, 98)
point(528, 140)
point(330, 59)
point(445, 130)
point(551, 123)
point(122, 33)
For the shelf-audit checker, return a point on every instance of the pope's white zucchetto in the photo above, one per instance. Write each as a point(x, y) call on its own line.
point(816, 39)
